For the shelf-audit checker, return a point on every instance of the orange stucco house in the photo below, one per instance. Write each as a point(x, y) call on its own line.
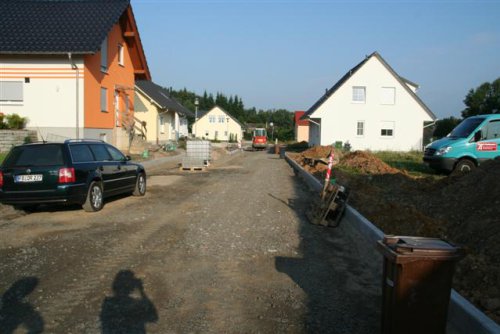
point(70, 66)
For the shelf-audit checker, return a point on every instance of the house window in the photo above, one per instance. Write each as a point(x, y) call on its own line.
point(211, 119)
point(120, 55)
point(162, 124)
point(11, 91)
point(104, 99)
point(360, 130)
point(387, 129)
point(388, 95)
point(216, 135)
point(225, 134)
point(358, 94)
point(221, 118)
point(104, 55)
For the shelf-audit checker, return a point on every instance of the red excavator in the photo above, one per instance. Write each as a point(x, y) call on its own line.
point(259, 139)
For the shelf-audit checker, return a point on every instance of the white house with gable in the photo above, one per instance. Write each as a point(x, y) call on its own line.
point(372, 108)
point(217, 124)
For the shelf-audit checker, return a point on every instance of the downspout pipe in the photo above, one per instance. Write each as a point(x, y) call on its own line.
point(77, 107)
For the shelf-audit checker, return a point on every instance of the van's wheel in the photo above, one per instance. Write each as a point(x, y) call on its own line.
point(95, 200)
point(140, 185)
point(465, 166)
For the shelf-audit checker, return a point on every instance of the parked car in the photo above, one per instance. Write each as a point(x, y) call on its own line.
point(83, 172)
point(473, 141)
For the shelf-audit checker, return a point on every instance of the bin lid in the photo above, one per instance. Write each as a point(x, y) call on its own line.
point(420, 245)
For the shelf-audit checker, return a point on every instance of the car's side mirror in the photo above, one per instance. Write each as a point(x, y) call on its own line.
point(128, 158)
point(478, 135)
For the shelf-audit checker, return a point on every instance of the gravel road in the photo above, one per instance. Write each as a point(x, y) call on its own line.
point(228, 250)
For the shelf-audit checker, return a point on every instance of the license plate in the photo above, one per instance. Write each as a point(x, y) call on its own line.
point(29, 178)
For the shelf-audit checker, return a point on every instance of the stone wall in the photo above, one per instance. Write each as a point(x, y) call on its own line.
point(9, 138)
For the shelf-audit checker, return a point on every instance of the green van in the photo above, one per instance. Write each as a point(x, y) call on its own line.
point(473, 141)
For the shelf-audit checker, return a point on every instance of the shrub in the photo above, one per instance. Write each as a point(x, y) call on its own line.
point(14, 122)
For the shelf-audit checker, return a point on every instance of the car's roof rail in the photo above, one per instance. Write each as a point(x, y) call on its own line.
point(83, 140)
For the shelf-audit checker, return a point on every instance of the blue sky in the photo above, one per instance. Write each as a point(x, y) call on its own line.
point(284, 53)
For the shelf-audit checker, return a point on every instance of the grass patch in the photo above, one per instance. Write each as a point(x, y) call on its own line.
point(409, 161)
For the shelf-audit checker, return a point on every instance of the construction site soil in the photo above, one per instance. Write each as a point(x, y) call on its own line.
point(462, 209)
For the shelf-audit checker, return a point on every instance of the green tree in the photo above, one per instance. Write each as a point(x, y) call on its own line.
point(444, 126)
point(485, 99)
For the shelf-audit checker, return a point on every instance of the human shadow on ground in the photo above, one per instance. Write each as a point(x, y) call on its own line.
point(129, 309)
point(337, 270)
point(15, 312)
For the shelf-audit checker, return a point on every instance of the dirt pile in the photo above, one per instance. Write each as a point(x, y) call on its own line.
point(366, 163)
point(462, 209)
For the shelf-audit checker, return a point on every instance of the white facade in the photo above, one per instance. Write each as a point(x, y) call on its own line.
point(217, 124)
point(372, 110)
point(49, 90)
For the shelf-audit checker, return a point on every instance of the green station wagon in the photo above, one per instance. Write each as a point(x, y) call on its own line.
point(82, 172)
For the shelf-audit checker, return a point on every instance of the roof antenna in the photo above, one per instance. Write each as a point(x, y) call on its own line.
point(40, 133)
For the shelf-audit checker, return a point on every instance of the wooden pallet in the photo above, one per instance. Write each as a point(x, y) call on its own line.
point(192, 169)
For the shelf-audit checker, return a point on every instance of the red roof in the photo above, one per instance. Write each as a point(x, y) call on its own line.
point(298, 115)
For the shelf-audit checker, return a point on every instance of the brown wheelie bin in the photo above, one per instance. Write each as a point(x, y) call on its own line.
point(416, 285)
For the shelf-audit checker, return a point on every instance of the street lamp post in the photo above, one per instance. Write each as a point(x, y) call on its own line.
point(272, 130)
point(196, 103)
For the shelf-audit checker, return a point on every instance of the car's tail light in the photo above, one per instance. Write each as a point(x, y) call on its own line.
point(66, 175)
point(1, 179)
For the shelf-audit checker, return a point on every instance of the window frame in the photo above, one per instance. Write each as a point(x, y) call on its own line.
point(73, 151)
point(20, 85)
point(104, 95)
point(97, 149)
point(104, 55)
point(354, 95)
point(383, 101)
point(488, 128)
point(387, 129)
point(121, 55)
point(362, 128)
point(113, 150)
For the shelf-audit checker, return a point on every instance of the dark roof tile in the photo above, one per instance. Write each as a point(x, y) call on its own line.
point(57, 26)
point(162, 97)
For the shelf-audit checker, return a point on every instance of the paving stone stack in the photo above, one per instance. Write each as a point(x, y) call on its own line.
point(198, 154)
point(9, 138)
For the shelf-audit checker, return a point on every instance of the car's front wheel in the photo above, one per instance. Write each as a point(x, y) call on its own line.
point(95, 199)
point(140, 185)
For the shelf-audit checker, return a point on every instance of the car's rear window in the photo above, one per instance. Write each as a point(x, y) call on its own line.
point(35, 155)
point(81, 153)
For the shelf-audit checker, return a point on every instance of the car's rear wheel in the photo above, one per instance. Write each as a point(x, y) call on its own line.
point(95, 199)
point(140, 185)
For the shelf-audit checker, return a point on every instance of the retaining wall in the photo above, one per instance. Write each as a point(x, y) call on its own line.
point(9, 138)
point(463, 317)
